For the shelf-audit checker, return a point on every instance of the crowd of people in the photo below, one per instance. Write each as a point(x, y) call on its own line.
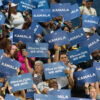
point(34, 65)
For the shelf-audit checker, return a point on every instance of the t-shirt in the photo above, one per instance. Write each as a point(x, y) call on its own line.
point(86, 11)
point(16, 20)
point(63, 81)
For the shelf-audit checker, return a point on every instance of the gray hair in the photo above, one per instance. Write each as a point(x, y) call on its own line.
point(39, 62)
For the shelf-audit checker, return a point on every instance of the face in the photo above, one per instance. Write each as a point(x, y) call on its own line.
point(64, 58)
point(96, 55)
point(60, 18)
point(13, 49)
point(93, 93)
point(53, 84)
point(38, 68)
point(66, 29)
point(84, 2)
point(69, 24)
point(88, 4)
point(13, 10)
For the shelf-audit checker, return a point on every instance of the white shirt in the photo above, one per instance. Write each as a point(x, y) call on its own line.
point(63, 81)
point(86, 11)
point(16, 20)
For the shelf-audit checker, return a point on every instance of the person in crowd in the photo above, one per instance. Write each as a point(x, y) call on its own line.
point(15, 18)
point(92, 90)
point(34, 65)
point(88, 10)
point(96, 56)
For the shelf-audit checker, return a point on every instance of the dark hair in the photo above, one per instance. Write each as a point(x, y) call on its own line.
point(62, 53)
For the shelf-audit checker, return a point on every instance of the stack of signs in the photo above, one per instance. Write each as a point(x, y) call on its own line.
point(61, 9)
point(37, 49)
point(62, 94)
point(88, 75)
point(42, 4)
point(59, 37)
point(36, 28)
point(93, 43)
point(10, 97)
point(79, 55)
point(2, 19)
point(89, 21)
point(27, 5)
point(97, 67)
point(23, 35)
point(76, 36)
point(41, 15)
point(54, 70)
point(21, 82)
point(75, 11)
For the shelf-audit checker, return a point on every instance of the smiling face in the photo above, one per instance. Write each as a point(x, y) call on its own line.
point(93, 93)
point(64, 58)
point(13, 49)
point(38, 68)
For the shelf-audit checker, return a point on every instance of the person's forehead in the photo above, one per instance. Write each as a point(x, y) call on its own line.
point(38, 64)
point(63, 55)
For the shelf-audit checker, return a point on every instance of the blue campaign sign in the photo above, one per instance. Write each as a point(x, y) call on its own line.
point(10, 97)
point(80, 99)
point(97, 67)
point(11, 37)
point(6, 70)
point(93, 43)
point(2, 18)
point(41, 15)
point(77, 36)
point(1, 84)
point(61, 9)
point(1, 54)
point(79, 55)
point(42, 4)
point(1, 3)
point(27, 5)
point(62, 94)
point(36, 28)
point(10, 63)
point(75, 11)
point(23, 35)
point(21, 82)
point(88, 75)
point(30, 93)
point(37, 49)
point(59, 37)
point(89, 21)
point(45, 97)
point(54, 70)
